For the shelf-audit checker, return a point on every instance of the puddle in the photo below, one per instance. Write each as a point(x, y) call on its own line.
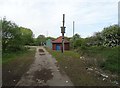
point(41, 50)
point(42, 54)
point(43, 75)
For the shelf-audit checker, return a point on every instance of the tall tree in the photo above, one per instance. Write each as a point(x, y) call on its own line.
point(41, 40)
point(11, 36)
point(75, 41)
point(27, 35)
point(111, 35)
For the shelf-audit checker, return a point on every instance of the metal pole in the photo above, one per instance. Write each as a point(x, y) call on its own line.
point(73, 27)
point(73, 34)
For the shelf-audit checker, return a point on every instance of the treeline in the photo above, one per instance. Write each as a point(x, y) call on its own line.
point(109, 37)
point(104, 46)
point(14, 38)
point(41, 40)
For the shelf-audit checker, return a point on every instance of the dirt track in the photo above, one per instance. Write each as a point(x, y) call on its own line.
point(44, 72)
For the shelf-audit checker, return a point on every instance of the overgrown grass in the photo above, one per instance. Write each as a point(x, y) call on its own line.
point(14, 65)
point(111, 56)
point(8, 56)
point(69, 54)
point(75, 68)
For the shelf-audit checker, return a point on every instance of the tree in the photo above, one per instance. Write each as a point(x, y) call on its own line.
point(52, 38)
point(11, 36)
point(78, 43)
point(76, 36)
point(111, 36)
point(75, 41)
point(97, 39)
point(27, 36)
point(41, 40)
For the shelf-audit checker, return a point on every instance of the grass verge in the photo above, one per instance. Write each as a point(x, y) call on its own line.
point(107, 57)
point(15, 65)
point(75, 68)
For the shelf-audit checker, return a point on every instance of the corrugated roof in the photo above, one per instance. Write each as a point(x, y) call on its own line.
point(59, 40)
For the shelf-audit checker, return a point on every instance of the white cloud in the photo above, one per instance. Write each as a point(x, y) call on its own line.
point(46, 15)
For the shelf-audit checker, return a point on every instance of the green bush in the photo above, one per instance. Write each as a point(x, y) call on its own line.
point(110, 54)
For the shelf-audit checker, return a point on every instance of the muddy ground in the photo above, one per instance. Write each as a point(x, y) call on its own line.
point(13, 70)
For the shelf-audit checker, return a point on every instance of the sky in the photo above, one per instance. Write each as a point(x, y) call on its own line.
point(119, 13)
point(45, 16)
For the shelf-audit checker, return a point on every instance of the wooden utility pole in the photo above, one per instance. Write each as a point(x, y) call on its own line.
point(63, 31)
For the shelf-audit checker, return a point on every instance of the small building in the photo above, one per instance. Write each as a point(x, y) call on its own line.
point(49, 43)
point(57, 44)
